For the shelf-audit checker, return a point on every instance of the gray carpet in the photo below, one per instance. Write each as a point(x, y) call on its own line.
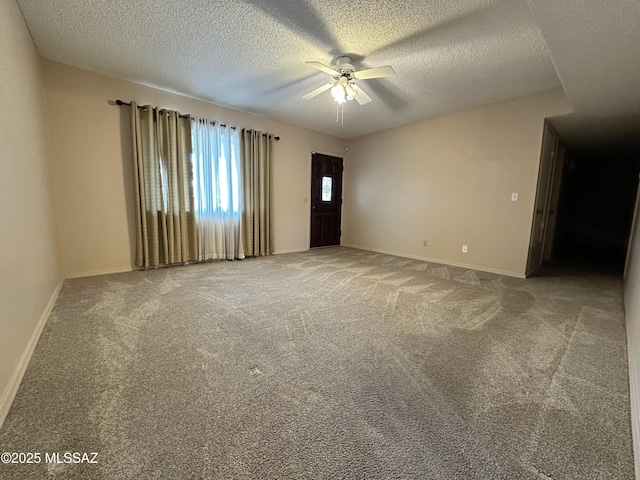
point(335, 363)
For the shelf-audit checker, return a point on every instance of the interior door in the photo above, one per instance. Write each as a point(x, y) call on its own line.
point(326, 200)
point(543, 195)
point(554, 200)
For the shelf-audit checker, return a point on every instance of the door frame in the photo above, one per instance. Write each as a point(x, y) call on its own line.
point(554, 200)
point(309, 200)
point(534, 264)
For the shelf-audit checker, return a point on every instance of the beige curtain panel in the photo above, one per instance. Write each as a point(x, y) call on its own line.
point(165, 220)
point(257, 193)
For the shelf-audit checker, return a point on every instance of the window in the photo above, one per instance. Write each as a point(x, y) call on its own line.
point(216, 169)
point(216, 190)
point(326, 189)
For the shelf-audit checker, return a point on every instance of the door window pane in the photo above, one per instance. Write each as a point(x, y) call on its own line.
point(326, 189)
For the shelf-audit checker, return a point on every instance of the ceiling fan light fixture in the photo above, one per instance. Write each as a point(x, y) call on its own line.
point(343, 80)
point(338, 93)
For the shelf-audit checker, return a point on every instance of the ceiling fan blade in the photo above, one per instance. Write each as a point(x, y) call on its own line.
point(322, 67)
point(318, 91)
point(361, 97)
point(377, 72)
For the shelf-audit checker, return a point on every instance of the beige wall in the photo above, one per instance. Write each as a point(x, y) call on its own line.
point(449, 181)
point(29, 264)
point(632, 312)
point(89, 142)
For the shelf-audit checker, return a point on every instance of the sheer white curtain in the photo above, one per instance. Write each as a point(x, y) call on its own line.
point(217, 204)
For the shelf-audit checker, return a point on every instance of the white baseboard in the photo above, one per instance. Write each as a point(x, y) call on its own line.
point(14, 384)
point(633, 352)
point(295, 250)
point(438, 260)
point(94, 273)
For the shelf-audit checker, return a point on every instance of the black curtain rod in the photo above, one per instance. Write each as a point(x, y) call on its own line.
point(120, 102)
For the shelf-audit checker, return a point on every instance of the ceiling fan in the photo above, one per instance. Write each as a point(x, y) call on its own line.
point(343, 84)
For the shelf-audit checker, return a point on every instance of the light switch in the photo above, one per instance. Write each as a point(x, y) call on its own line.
point(514, 197)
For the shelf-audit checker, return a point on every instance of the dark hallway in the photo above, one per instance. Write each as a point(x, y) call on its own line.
point(595, 211)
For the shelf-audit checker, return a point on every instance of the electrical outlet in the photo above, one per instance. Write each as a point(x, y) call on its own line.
point(465, 248)
point(425, 243)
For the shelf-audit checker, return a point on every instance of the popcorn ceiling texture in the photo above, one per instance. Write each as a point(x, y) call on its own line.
point(595, 47)
point(249, 55)
point(449, 56)
point(334, 363)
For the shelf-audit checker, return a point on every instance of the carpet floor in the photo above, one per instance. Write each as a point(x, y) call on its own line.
point(333, 363)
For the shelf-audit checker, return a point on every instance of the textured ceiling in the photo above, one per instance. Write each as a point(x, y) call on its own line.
point(250, 54)
point(595, 47)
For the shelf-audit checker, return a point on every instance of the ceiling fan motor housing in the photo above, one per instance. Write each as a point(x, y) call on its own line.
point(343, 65)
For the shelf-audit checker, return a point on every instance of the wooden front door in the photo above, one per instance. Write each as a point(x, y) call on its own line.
point(326, 200)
